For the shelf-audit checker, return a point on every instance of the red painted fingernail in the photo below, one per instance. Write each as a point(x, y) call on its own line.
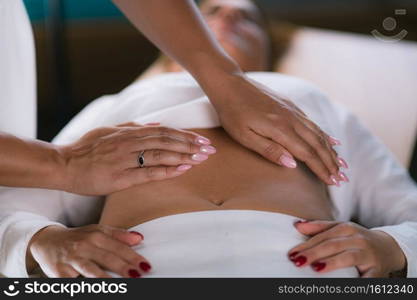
point(137, 233)
point(134, 274)
point(318, 266)
point(300, 260)
point(293, 255)
point(145, 266)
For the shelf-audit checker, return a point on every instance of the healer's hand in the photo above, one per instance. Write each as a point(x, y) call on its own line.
point(274, 127)
point(106, 160)
point(87, 251)
point(333, 245)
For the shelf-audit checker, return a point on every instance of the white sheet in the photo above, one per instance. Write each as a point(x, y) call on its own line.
point(225, 243)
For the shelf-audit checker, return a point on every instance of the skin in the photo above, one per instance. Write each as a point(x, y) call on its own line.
point(210, 185)
point(233, 178)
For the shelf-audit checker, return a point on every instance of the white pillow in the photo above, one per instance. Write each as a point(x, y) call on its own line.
point(374, 79)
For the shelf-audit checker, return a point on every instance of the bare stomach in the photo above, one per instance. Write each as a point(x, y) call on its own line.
point(233, 178)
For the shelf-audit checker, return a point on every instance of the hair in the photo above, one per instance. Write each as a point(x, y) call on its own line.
point(280, 34)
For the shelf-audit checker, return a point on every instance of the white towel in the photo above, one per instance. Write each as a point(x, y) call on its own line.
point(225, 243)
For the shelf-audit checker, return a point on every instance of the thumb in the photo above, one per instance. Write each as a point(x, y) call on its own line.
point(130, 238)
point(314, 227)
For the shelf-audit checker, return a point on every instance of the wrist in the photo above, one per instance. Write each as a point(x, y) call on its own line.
point(211, 69)
point(63, 177)
point(222, 87)
point(397, 256)
point(50, 169)
point(35, 242)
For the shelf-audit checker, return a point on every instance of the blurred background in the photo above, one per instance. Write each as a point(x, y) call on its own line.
point(86, 48)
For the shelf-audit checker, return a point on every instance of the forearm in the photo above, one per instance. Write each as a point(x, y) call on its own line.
point(30, 163)
point(177, 28)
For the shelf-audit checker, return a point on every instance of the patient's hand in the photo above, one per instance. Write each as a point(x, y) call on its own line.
point(87, 251)
point(334, 245)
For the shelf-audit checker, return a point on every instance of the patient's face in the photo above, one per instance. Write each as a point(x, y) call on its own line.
point(237, 25)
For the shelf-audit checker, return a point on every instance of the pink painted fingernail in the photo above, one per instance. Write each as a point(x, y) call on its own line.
point(342, 163)
point(208, 149)
point(318, 266)
point(199, 157)
point(343, 176)
point(334, 180)
point(183, 168)
point(334, 141)
point(288, 161)
point(137, 233)
point(202, 141)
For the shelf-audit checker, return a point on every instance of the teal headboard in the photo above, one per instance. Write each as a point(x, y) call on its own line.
point(74, 9)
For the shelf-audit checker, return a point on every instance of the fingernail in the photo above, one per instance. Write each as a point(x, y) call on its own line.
point(342, 163)
point(133, 273)
point(300, 222)
point(334, 141)
point(300, 260)
point(293, 255)
point(318, 266)
point(288, 161)
point(153, 124)
point(202, 141)
point(207, 149)
point(334, 180)
point(199, 157)
point(145, 266)
point(183, 168)
point(137, 233)
point(343, 176)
